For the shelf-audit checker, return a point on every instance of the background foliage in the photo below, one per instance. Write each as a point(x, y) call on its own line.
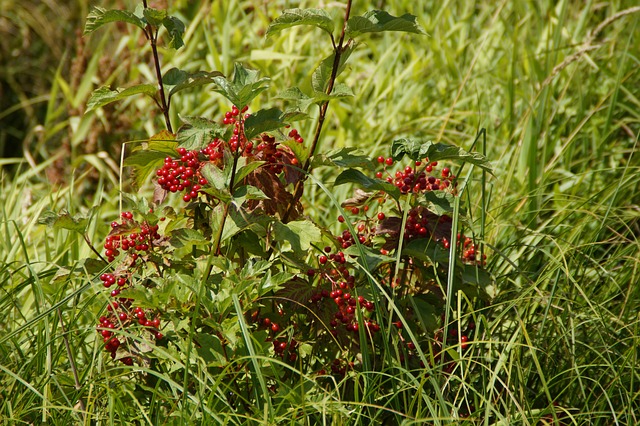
point(555, 86)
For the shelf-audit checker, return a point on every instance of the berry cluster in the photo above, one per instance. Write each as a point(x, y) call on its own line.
point(469, 250)
point(342, 282)
point(131, 237)
point(120, 316)
point(418, 179)
point(183, 172)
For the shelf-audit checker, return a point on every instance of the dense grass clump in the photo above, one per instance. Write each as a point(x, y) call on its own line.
point(547, 92)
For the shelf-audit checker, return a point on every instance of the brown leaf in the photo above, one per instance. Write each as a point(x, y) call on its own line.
point(279, 198)
point(360, 198)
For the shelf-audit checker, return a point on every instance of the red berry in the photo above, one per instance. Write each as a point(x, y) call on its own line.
point(389, 161)
point(381, 159)
point(381, 216)
point(322, 259)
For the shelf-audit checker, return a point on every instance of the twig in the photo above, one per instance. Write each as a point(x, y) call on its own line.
point(339, 50)
point(153, 38)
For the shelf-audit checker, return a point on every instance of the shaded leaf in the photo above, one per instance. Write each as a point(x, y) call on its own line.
point(104, 95)
point(181, 80)
point(376, 21)
point(175, 28)
point(100, 16)
point(322, 74)
point(372, 258)
point(340, 90)
point(294, 17)
point(440, 202)
point(419, 149)
point(356, 176)
point(243, 169)
point(262, 121)
point(187, 237)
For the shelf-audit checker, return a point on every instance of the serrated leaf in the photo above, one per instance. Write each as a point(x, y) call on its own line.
point(294, 94)
point(243, 88)
point(175, 28)
point(350, 157)
point(218, 182)
point(100, 16)
point(248, 192)
point(262, 121)
point(154, 16)
point(322, 74)
point(419, 149)
point(359, 199)
point(104, 95)
point(376, 21)
point(64, 220)
point(340, 90)
point(294, 17)
point(146, 161)
point(187, 237)
point(243, 169)
point(372, 259)
point(197, 132)
point(439, 202)
point(299, 150)
point(356, 176)
point(181, 80)
point(426, 250)
point(298, 234)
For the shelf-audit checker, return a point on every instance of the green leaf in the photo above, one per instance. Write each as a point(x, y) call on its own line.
point(104, 95)
point(262, 121)
point(376, 21)
point(350, 157)
point(322, 74)
point(248, 192)
point(175, 28)
point(426, 250)
point(186, 237)
point(294, 17)
point(439, 202)
point(340, 90)
point(64, 220)
point(356, 176)
point(295, 95)
point(298, 234)
point(154, 16)
point(418, 150)
point(243, 169)
point(218, 182)
point(181, 80)
point(244, 87)
point(372, 259)
point(146, 161)
point(100, 16)
point(197, 132)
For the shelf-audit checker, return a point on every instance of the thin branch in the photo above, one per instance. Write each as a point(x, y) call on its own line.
point(153, 38)
point(339, 50)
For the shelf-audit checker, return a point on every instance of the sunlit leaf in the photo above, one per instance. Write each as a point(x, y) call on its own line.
point(104, 95)
point(322, 74)
point(175, 27)
point(294, 17)
point(243, 88)
point(418, 150)
point(376, 21)
point(197, 132)
point(100, 16)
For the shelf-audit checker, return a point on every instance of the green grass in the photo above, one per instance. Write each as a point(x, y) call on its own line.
point(562, 226)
